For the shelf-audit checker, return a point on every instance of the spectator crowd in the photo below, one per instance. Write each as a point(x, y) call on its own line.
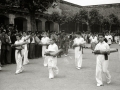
point(34, 50)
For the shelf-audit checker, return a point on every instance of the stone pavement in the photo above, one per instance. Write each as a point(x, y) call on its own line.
point(35, 76)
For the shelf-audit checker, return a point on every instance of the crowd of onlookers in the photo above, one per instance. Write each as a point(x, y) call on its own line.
point(62, 39)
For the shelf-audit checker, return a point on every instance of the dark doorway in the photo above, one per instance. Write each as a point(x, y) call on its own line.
point(4, 20)
point(21, 24)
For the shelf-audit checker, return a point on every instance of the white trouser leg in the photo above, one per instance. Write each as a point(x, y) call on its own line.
point(44, 56)
point(78, 58)
point(79, 63)
point(45, 60)
point(43, 50)
point(52, 66)
point(99, 72)
point(105, 69)
point(51, 73)
point(76, 62)
point(18, 58)
point(55, 70)
point(25, 61)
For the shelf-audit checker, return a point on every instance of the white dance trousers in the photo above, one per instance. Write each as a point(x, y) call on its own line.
point(52, 66)
point(78, 57)
point(25, 61)
point(102, 66)
point(18, 58)
point(44, 56)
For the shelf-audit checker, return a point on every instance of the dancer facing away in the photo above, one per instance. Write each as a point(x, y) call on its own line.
point(77, 45)
point(102, 60)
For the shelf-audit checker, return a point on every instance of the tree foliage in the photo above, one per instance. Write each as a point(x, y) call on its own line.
point(31, 5)
point(94, 17)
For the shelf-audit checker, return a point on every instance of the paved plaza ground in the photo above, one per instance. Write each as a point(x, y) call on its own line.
point(35, 76)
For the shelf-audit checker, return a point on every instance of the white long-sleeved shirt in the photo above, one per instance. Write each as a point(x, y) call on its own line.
point(78, 41)
point(94, 40)
point(24, 38)
point(52, 47)
point(102, 46)
point(45, 40)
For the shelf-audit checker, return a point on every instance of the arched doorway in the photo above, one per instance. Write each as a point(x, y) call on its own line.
point(49, 26)
point(38, 25)
point(21, 23)
point(4, 20)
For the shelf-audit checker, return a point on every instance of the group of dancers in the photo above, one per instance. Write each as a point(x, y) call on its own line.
point(50, 51)
point(101, 50)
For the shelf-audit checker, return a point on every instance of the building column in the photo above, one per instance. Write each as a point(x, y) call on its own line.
point(24, 25)
point(28, 24)
point(11, 19)
point(43, 24)
point(39, 26)
point(56, 27)
point(52, 26)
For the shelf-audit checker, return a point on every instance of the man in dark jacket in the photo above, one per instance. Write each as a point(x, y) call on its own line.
point(13, 39)
point(3, 47)
point(8, 47)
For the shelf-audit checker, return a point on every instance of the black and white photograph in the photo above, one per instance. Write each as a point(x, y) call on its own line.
point(59, 44)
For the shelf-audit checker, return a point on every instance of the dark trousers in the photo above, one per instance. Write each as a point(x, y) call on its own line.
point(3, 56)
point(13, 56)
point(0, 57)
point(65, 47)
point(36, 50)
point(8, 55)
point(31, 54)
point(40, 51)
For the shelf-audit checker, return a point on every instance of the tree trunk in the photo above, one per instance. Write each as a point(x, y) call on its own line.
point(33, 21)
point(77, 27)
point(110, 27)
point(82, 26)
point(88, 26)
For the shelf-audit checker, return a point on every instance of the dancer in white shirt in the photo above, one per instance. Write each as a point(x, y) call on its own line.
point(44, 41)
point(102, 61)
point(19, 54)
point(78, 50)
point(109, 39)
point(24, 38)
point(94, 41)
point(52, 60)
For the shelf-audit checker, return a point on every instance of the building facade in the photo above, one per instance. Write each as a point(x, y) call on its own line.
point(21, 18)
